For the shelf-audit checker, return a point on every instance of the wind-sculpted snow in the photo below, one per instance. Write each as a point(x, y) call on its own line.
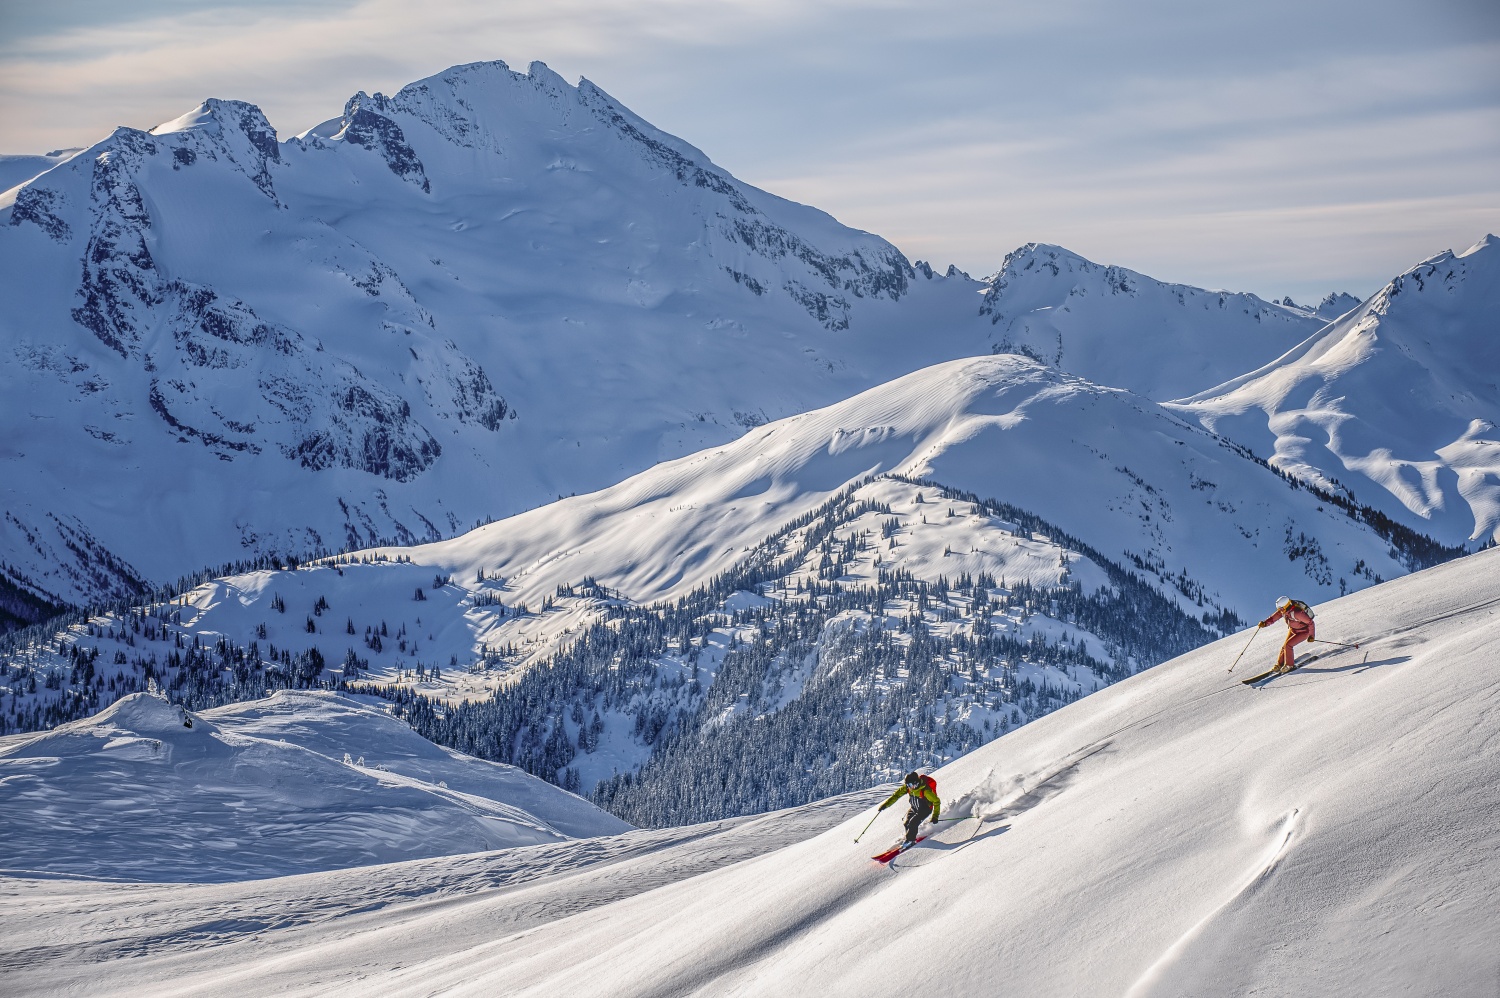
point(450, 305)
point(1177, 834)
point(299, 782)
point(1396, 403)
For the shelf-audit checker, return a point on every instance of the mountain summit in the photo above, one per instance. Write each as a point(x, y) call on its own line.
point(1396, 403)
point(1120, 328)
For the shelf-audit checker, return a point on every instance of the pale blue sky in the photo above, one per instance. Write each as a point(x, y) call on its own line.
point(1282, 147)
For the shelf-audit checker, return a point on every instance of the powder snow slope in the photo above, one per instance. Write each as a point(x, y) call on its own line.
point(465, 300)
point(296, 782)
point(1334, 833)
point(1396, 403)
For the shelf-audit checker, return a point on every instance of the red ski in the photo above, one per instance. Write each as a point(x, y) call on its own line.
point(891, 854)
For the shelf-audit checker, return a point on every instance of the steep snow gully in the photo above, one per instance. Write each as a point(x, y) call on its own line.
point(1336, 832)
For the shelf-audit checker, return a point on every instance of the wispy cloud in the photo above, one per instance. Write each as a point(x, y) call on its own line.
point(1284, 147)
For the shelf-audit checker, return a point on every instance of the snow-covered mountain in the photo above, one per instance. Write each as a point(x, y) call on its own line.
point(1120, 473)
point(453, 304)
point(299, 782)
point(494, 289)
point(1116, 327)
point(1333, 305)
point(898, 525)
point(1177, 834)
point(1396, 403)
point(465, 300)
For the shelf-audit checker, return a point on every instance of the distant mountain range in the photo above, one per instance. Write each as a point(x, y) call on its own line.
point(457, 303)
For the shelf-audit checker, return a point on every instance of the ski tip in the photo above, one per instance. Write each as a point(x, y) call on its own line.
point(891, 854)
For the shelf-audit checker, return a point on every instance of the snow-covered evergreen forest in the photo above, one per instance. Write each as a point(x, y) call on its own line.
point(779, 682)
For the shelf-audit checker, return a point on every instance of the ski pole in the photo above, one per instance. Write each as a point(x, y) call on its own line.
point(867, 827)
point(1244, 649)
point(1325, 641)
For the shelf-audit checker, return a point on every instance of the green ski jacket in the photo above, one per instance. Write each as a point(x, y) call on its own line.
point(927, 790)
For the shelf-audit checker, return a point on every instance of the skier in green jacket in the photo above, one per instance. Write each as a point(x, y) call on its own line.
point(924, 801)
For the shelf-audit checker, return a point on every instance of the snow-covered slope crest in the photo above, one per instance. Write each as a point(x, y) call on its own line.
point(1116, 327)
point(1113, 469)
point(15, 170)
point(297, 782)
point(1397, 402)
point(1333, 833)
point(1190, 513)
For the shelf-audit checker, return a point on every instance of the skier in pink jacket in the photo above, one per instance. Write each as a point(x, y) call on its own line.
point(1300, 628)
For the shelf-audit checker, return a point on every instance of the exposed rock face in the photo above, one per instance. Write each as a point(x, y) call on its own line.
point(368, 128)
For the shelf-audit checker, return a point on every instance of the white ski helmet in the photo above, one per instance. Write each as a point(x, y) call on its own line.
point(1282, 602)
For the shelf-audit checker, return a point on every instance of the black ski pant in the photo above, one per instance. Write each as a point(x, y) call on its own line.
point(921, 807)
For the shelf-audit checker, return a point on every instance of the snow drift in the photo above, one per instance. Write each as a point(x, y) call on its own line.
point(302, 781)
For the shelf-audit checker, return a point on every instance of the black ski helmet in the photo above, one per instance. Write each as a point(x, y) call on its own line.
point(913, 779)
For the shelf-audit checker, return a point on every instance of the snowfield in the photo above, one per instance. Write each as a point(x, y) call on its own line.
point(299, 781)
point(1334, 833)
